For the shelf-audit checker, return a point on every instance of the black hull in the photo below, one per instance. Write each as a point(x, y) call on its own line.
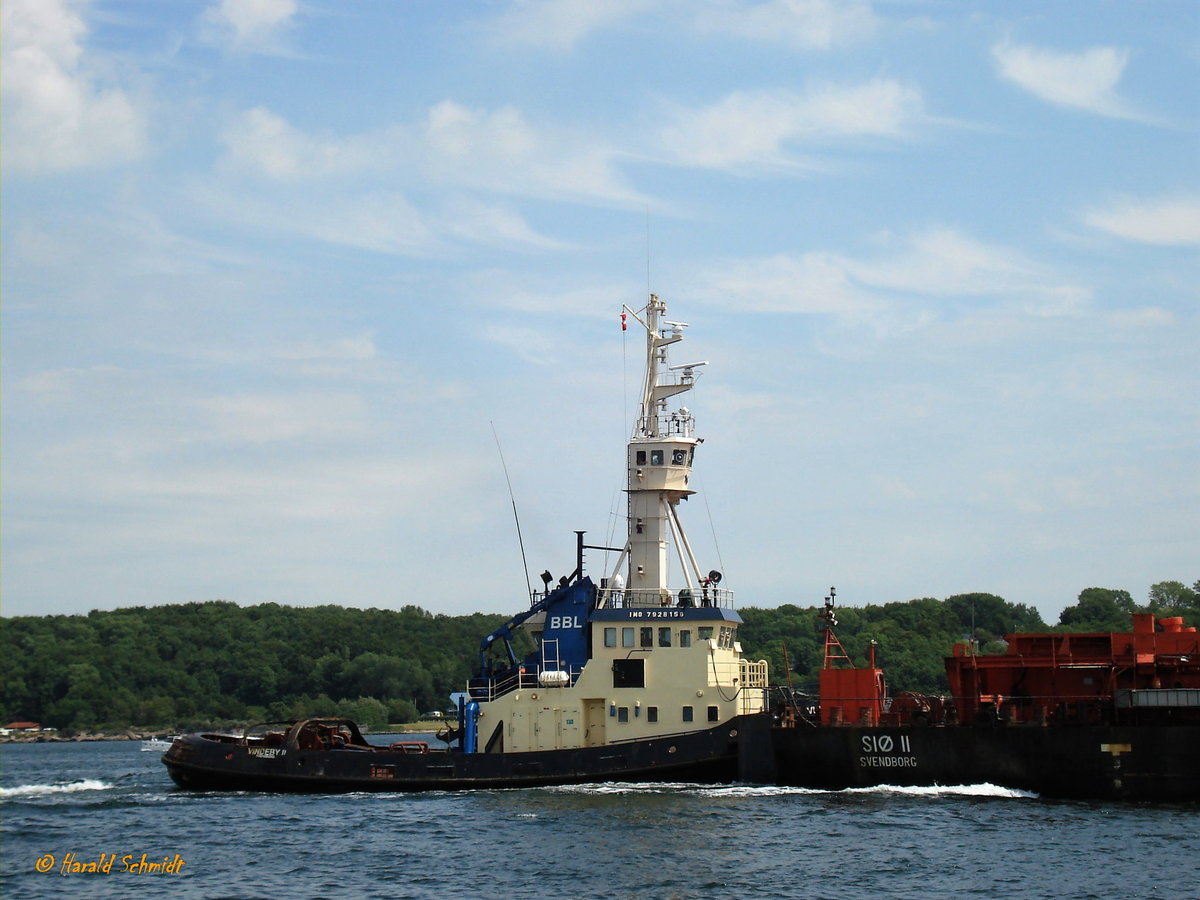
point(197, 763)
point(1100, 762)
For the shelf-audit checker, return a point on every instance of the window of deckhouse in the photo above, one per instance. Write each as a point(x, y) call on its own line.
point(629, 673)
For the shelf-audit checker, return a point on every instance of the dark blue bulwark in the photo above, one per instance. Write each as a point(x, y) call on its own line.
point(567, 624)
point(566, 609)
point(668, 614)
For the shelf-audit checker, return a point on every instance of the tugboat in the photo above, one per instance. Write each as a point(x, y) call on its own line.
point(631, 679)
point(1107, 716)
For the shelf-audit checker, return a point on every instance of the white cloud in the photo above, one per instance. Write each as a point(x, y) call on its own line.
point(758, 129)
point(942, 261)
point(1143, 317)
point(61, 109)
point(253, 25)
point(473, 220)
point(530, 344)
point(361, 347)
point(347, 491)
point(263, 141)
point(814, 283)
point(1168, 221)
point(263, 418)
point(561, 24)
point(551, 296)
point(936, 263)
point(470, 150)
point(381, 221)
point(1085, 80)
point(802, 24)
point(65, 382)
point(497, 150)
point(500, 150)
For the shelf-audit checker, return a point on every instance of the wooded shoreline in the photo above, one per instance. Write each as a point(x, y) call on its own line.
point(133, 673)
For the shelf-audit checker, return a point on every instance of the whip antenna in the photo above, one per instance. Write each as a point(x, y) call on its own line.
point(516, 518)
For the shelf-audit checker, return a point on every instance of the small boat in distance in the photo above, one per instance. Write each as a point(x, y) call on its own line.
point(156, 745)
point(632, 678)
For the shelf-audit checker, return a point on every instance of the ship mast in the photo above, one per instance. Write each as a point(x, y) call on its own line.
point(659, 459)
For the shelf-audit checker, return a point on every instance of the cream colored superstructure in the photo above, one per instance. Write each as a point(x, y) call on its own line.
point(662, 661)
point(688, 682)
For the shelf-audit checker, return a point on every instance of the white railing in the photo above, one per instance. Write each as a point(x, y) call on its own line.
point(625, 598)
point(667, 425)
point(753, 673)
point(522, 678)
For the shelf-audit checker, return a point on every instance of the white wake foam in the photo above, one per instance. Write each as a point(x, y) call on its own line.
point(747, 790)
point(943, 790)
point(71, 787)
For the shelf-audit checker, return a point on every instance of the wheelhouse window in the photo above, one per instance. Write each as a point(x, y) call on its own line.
point(647, 637)
point(706, 632)
point(629, 673)
point(656, 457)
point(641, 457)
point(610, 637)
point(627, 637)
point(685, 638)
point(664, 637)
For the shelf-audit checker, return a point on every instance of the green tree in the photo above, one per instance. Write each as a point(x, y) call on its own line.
point(401, 711)
point(1173, 598)
point(365, 711)
point(1098, 610)
point(989, 617)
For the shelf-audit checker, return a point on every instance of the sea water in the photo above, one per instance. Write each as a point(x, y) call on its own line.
point(69, 809)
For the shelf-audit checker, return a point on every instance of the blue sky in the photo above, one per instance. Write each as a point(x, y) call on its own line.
point(274, 270)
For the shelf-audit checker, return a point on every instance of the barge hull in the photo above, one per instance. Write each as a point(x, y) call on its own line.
point(1141, 762)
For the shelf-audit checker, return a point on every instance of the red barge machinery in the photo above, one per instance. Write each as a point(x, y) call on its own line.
point(1086, 716)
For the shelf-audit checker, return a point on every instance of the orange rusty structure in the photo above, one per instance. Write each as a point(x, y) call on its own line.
point(1151, 673)
point(848, 695)
point(853, 695)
